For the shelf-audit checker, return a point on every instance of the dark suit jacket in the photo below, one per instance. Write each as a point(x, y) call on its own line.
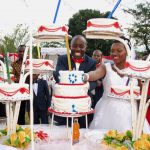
point(87, 65)
point(42, 100)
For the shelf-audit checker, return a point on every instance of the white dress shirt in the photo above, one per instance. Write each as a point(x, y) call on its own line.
point(77, 66)
point(35, 88)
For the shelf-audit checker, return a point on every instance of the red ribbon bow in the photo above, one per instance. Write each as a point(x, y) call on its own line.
point(80, 60)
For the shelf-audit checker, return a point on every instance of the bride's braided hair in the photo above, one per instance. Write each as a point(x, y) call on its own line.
point(127, 41)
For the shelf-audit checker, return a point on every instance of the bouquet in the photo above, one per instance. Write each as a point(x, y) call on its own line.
point(20, 139)
point(123, 141)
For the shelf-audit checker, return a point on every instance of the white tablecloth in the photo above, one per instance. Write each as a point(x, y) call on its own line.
point(4, 147)
point(59, 139)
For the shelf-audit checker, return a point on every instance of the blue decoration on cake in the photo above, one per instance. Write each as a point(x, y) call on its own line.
point(74, 108)
point(72, 78)
point(83, 77)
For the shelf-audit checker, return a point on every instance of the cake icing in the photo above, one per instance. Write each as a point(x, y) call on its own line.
point(71, 77)
point(72, 104)
point(103, 26)
point(40, 65)
point(137, 68)
point(77, 90)
point(14, 92)
point(120, 91)
point(52, 32)
point(70, 95)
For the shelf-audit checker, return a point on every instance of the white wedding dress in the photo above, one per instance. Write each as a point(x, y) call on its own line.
point(113, 113)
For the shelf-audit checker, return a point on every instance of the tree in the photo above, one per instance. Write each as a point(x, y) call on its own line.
point(12, 41)
point(54, 44)
point(77, 24)
point(140, 30)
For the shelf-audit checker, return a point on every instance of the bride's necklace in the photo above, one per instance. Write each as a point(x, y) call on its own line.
point(114, 65)
point(117, 70)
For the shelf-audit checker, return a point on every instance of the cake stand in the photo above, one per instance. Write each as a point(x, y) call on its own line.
point(12, 98)
point(70, 115)
point(133, 70)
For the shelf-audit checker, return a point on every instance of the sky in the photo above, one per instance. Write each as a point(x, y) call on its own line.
point(41, 12)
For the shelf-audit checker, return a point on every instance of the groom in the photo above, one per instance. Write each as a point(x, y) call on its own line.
point(79, 61)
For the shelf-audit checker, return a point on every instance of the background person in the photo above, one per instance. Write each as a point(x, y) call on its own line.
point(16, 70)
point(97, 56)
point(41, 100)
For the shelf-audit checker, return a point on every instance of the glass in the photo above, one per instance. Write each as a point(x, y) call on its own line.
point(3, 121)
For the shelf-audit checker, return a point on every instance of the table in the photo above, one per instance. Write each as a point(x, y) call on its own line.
point(59, 139)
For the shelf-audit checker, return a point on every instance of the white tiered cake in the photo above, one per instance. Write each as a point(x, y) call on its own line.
point(70, 95)
point(14, 92)
point(40, 65)
point(53, 32)
point(102, 26)
point(136, 68)
point(119, 91)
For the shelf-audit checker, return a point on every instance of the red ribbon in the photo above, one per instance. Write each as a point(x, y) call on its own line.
point(2, 79)
point(128, 65)
point(72, 97)
point(115, 24)
point(46, 63)
point(123, 93)
point(78, 60)
point(42, 135)
point(21, 90)
point(42, 28)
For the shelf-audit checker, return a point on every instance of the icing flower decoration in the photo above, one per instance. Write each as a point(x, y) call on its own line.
point(41, 135)
point(72, 78)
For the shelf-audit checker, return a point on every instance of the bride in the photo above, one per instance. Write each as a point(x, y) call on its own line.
point(112, 113)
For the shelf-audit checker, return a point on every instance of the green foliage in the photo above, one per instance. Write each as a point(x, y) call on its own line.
point(77, 24)
point(54, 44)
point(140, 30)
point(128, 135)
point(12, 41)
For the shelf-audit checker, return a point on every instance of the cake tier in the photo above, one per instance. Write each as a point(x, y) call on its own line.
point(137, 68)
point(124, 92)
point(71, 90)
point(71, 77)
point(2, 78)
point(40, 65)
point(14, 92)
point(53, 32)
point(71, 105)
point(103, 26)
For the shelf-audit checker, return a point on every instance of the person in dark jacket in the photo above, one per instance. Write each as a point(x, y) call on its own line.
point(41, 100)
point(79, 61)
